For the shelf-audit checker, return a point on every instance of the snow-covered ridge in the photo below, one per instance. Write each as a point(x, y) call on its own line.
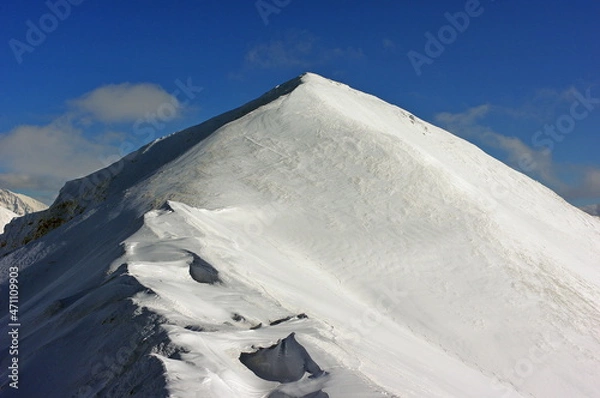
point(401, 260)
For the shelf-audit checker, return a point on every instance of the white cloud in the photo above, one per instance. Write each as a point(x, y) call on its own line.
point(44, 157)
point(124, 102)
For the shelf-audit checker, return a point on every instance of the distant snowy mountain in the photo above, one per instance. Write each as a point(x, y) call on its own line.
point(19, 204)
point(594, 210)
point(15, 205)
point(5, 217)
point(316, 242)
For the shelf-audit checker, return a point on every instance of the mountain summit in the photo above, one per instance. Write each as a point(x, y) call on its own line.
point(315, 242)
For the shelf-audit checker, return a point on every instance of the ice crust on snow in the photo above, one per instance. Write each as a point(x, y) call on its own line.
point(425, 267)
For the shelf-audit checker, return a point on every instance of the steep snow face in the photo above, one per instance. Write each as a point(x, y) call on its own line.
point(19, 204)
point(402, 260)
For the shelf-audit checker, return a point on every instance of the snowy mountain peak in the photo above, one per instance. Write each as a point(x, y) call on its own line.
point(19, 204)
point(5, 217)
point(87, 192)
point(14, 205)
point(316, 241)
point(313, 78)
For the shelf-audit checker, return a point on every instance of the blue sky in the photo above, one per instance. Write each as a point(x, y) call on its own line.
point(84, 82)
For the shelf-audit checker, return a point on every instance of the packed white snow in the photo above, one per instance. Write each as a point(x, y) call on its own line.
point(403, 260)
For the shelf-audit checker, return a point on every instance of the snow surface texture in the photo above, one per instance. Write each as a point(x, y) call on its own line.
point(403, 260)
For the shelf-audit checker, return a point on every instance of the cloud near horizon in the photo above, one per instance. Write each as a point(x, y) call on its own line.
point(584, 181)
point(39, 159)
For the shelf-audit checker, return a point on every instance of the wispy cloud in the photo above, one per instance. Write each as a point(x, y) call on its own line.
point(297, 49)
point(292, 52)
point(542, 105)
point(469, 124)
point(388, 44)
point(586, 187)
point(574, 182)
point(124, 102)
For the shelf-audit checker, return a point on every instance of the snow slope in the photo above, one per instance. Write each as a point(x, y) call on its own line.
point(405, 260)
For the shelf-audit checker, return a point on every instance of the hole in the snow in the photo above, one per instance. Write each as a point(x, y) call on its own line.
point(285, 362)
point(203, 272)
point(287, 318)
point(194, 328)
point(278, 321)
point(237, 317)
